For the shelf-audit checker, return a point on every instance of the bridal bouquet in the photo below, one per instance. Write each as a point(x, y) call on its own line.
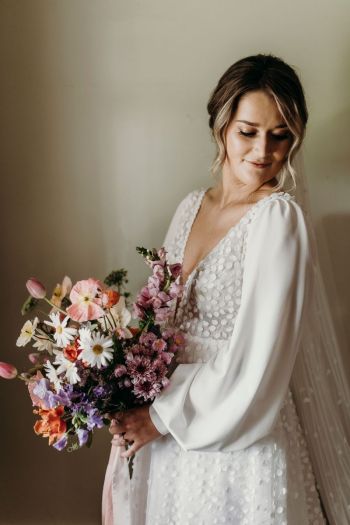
point(91, 356)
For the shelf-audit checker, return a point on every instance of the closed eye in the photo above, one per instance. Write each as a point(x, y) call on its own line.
point(275, 137)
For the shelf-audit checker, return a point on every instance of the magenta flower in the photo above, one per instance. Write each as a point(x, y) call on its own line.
point(85, 299)
point(36, 288)
point(159, 345)
point(175, 290)
point(7, 371)
point(139, 367)
point(119, 371)
point(147, 338)
point(175, 269)
point(158, 272)
point(161, 314)
point(147, 389)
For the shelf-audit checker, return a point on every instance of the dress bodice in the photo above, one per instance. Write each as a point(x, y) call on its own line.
point(212, 293)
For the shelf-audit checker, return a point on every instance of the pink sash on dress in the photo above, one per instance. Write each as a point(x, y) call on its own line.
point(116, 490)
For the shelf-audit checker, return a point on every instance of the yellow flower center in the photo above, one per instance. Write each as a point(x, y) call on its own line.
point(86, 299)
point(59, 329)
point(97, 349)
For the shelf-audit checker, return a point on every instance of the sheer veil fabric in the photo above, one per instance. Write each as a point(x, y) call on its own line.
point(319, 386)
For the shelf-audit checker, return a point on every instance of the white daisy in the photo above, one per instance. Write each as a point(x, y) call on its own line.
point(42, 341)
point(67, 367)
point(84, 337)
point(51, 374)
point(27, 332)
point(62, 335)
point(97, 350)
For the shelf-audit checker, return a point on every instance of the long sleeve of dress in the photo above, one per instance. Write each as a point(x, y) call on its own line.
point(233, 400)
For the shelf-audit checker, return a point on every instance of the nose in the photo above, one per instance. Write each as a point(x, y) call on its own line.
point(262, 149)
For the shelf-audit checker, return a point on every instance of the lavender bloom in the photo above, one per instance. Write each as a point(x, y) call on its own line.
point(94, 419)
point(61, 443)
point(43, 391)
point(99, 391)
point(83, 436)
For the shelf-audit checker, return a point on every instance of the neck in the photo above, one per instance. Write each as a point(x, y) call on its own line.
point(229, 190)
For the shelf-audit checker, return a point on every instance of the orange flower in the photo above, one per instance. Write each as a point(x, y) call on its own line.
point(72, 351)
point(51, 425)
point(134, 330)
point(110, 298)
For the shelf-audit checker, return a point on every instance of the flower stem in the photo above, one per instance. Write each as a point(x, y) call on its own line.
point(54, 306)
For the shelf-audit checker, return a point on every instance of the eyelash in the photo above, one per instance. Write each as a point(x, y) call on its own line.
point(276, 137)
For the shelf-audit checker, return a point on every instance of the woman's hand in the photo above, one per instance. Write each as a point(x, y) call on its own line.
point(134, 426)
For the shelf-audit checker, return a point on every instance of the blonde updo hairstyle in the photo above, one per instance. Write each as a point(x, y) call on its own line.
point(272, 75)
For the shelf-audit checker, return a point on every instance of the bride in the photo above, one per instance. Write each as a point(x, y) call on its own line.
point(227, 441)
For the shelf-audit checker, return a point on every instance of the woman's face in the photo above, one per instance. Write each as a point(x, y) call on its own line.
point(257, 141)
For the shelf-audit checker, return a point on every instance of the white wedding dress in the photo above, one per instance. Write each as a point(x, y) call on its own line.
point(232, 450)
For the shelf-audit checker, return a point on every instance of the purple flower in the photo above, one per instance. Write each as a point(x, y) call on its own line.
point(161, 314)
point(94, 419)
point(162, 254)
point(159, 369)
point(83, 436)
point(99, 391)
point(164, 297)
point(119, 371)
point(146, 389)
point(147, 338)
point(158, 272)
point(138, 311)
point(140, 368)
point(167, 357)
point(159, 345)
point(43, 391)
point(175, 290)
point(156, 303)
point(61, 443)
point(167, 333)
point(175, 269)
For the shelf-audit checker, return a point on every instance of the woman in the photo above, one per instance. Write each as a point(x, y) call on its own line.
point(223, 443)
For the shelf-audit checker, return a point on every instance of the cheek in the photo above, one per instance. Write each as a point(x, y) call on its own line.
point(237, 148)
point(282, 151)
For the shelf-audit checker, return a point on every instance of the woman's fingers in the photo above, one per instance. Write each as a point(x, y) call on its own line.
point(131, 450)
point(117, 426)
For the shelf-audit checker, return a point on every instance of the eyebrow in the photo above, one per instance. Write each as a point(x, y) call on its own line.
point(256, 124)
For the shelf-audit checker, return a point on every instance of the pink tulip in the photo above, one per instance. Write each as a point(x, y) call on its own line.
point(36, 288)
point(7, 371)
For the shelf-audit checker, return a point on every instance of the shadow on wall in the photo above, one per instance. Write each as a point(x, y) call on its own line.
point(335, 262)
point(40, 188)
point(329, 169)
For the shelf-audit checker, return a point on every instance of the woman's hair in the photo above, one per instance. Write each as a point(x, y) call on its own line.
point(259, 72)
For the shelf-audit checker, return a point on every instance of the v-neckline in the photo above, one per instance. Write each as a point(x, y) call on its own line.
point(196, 209)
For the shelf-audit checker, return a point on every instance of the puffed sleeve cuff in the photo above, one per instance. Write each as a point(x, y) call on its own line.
point(157, 422)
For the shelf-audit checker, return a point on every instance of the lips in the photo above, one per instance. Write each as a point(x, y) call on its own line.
point(260, 165)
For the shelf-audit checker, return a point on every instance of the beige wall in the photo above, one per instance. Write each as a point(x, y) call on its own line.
point(103, 130)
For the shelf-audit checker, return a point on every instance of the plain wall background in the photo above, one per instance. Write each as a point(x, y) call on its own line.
point(103, 131)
